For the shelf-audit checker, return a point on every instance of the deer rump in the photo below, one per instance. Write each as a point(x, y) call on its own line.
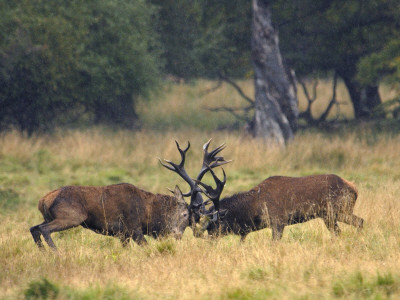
point(279, 201)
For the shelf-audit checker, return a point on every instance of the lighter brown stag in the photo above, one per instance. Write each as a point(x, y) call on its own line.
point(280, 201)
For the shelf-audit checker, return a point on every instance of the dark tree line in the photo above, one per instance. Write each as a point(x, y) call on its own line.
point(63, 62)
point(85, 62)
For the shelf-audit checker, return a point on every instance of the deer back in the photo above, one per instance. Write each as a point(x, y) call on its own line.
point(286, 195)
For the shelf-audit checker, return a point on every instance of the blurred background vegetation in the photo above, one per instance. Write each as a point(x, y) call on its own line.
point(81, 63)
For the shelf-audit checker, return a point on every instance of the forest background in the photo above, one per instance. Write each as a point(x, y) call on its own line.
point(93, 92)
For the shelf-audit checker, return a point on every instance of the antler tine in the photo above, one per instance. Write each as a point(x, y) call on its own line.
point(211, 193)
point(166, 166)
point(205, 146)
point(182, 152)
point(210, 159)
point(216, 178)
point(218, 149)
point(180, 169)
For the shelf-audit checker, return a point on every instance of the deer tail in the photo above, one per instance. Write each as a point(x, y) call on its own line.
point(44, 209)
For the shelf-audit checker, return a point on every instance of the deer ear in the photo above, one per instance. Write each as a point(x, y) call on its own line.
point(178, 195)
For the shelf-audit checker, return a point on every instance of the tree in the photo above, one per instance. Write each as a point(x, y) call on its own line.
point(36, 55)
point(276, 112)
point(67, 60)
point(384, 66)
point(202, 37)
point(334, 35)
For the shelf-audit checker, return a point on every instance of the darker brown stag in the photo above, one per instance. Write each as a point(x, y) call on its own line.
point(280, 201)
point(121, 210)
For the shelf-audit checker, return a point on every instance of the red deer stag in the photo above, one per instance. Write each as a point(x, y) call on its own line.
point(280, 201)
point(121, 210)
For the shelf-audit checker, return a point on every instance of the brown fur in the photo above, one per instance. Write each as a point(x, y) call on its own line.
point(121, 210)
point(279, 201)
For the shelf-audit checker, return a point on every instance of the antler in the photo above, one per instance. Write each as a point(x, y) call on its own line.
point(214, 194)
point(210, 160)
point(180, 169)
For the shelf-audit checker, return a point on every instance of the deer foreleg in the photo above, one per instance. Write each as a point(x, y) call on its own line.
point(277, 231)
point(138, 237)
point(332, 224)
point(352, 220)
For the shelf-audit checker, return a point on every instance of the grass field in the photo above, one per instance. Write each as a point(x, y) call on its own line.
point(308, 263)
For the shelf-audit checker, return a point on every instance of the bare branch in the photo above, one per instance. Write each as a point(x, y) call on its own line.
point(212, 89)
point(333, 101)
point(307, 114)
point(232, 111)
point(225, 78)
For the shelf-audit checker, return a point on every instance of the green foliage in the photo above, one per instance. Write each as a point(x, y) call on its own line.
point(161, 247)
point(257, 274)
point(357, 286)
point(75, 60)
point(201, 38)
point(43, 289)
point(384, 64)
point(110, 292)
point(333, 34)
point(340, 36)
point(166, 246)
point(246, 294)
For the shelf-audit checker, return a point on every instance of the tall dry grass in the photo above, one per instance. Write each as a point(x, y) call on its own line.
point(307, 263)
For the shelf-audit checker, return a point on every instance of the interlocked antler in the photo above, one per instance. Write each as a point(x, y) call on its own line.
point(210, 161)
point(214, 194)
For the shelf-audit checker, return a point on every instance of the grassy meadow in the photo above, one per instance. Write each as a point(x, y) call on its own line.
point(308, 263)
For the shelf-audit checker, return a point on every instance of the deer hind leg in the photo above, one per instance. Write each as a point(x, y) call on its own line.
point(352, 220)
point(58, 224)
point(36, 233)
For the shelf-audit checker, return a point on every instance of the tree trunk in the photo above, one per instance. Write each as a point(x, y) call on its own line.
point(276, 105)
point(365, 100)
